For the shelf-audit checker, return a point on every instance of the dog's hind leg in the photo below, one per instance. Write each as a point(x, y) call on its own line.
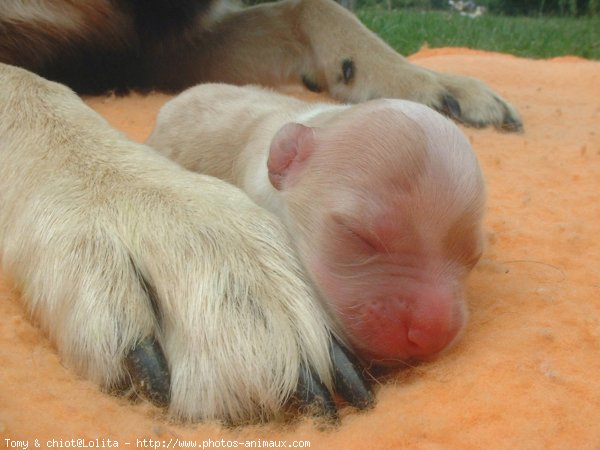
point(325, 46)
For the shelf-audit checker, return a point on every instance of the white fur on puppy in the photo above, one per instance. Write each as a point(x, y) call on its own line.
point(383, 200)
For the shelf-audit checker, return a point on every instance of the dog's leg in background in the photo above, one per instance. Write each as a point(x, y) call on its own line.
point(118, 252)
point(324, 45)
point(174, 45)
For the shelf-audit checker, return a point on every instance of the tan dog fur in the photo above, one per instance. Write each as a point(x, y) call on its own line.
point(86, 213)
point(317, 41)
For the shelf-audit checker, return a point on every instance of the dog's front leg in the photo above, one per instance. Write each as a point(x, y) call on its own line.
point(325, 46)
point(120, 253)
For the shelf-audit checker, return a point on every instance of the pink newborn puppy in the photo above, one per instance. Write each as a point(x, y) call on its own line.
point(384, 201)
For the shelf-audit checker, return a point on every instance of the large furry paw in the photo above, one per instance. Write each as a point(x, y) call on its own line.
point(465, 99)
point(471, 101)
point(148, 276)
point(185, 292)
point(241, 328)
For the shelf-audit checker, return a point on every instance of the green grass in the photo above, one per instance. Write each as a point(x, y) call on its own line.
point(533, 37)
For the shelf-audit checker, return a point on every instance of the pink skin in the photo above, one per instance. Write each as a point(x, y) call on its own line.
point(385, 201)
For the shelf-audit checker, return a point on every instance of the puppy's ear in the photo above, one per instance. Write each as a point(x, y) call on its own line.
point(290, 149)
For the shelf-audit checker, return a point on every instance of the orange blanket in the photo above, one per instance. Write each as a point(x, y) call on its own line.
point(526, 373)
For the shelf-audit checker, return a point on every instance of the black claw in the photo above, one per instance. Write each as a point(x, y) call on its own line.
point(511, 124)
point(314, 394)
point(348, 378)
point(451, 107)
point(348, 70)
point(310, 84)
point(149, 372)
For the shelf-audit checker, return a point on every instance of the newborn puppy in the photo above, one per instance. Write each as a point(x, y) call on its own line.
point(384, 201)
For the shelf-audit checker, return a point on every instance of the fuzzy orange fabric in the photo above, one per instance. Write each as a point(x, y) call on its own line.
point(526, 374)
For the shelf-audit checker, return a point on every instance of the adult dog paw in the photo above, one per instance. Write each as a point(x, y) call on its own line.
point(146, 275)
point(471, 101)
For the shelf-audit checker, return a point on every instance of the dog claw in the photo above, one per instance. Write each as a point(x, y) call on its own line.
point(451, 107)
point(313, 393)
point(349, 383)
point(511, 124)
point(149, 372)
point(348, 378)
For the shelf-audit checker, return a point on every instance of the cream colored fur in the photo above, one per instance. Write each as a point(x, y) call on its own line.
point(226, 131)
point(385, 161)
point(85, 213)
